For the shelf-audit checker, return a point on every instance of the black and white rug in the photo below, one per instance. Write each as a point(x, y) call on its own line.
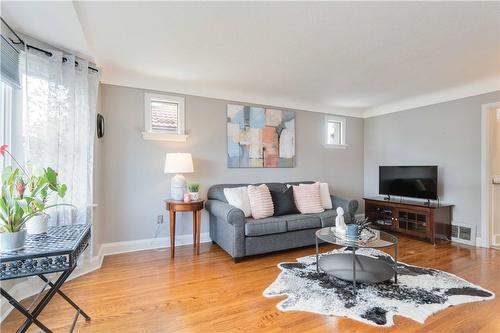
point(419, 293)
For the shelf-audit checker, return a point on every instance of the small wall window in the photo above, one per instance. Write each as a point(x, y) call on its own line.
point(164, 118)
point(335, 132)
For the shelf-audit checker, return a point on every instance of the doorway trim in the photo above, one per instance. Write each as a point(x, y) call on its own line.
point(486, 175)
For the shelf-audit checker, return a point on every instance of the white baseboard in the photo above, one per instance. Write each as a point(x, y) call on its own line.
point(149, 244)
point(31, 286)
point(496, 240)
point(479, 242)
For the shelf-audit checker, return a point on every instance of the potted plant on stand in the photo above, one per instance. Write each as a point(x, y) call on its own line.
point(40, 188)
point(193, 190)
point(23, 198)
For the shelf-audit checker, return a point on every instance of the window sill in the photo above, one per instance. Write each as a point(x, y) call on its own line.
point(330, 146)
point(164, 137)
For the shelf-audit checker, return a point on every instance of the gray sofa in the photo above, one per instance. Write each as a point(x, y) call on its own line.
point(241, 237)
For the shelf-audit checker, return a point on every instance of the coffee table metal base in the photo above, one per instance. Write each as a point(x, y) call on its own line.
point(353, 267)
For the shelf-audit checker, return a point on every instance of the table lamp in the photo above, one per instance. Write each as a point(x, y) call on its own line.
point(178, 163)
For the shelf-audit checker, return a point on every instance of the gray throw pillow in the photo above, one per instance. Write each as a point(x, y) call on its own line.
point(284, 202)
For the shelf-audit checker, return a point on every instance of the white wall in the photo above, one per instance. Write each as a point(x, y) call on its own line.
point(445, 134)
point(496, 187)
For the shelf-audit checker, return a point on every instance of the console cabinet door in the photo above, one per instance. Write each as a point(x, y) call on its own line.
point(413, 222)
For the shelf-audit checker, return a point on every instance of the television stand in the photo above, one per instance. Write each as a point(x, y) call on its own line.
point(424, 220)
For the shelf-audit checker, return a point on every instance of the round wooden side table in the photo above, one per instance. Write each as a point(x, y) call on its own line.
point(174, 206)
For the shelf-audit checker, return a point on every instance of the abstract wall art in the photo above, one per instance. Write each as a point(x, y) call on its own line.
point(260, 137)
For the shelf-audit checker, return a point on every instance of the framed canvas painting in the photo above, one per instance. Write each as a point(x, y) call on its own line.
point(260, 137)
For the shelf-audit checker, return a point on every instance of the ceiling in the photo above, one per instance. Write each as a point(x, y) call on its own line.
point(350, 58)
point(55, 23)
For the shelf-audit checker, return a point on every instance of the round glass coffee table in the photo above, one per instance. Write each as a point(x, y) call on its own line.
point(355, 267)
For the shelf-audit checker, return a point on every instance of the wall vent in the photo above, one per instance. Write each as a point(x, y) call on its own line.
point(462, 233)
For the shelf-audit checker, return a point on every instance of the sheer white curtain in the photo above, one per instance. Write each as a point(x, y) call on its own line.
point(59, 125)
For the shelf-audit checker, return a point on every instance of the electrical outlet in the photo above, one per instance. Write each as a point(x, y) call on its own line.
point(159, 219)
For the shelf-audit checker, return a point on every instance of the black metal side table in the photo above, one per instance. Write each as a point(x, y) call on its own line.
point(55, 252)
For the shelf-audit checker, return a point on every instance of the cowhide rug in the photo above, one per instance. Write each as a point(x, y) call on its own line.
point(419, 293)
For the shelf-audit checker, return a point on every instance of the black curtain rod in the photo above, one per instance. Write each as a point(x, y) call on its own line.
point(47, 53)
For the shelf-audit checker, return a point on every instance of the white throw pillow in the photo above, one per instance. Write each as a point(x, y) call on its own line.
point(238, 197)
point(326, 200)
point(324, 191)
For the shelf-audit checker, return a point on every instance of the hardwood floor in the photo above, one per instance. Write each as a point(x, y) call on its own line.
point(150, 292)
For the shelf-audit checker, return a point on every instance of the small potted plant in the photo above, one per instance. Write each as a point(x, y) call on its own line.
point(23, 198)
point(40, 187)
point(193, 190)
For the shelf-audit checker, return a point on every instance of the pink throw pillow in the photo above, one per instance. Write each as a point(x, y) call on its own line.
point(308, 198)
point(261, 202)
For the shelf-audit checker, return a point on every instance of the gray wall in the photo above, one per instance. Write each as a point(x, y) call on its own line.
point(135, 186)
point(445, 134)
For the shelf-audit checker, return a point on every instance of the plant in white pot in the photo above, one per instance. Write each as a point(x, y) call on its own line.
point(40, 187)
point(23, 198)
point(193, 190)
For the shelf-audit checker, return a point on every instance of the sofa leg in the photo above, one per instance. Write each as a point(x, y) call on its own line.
point(238, 260)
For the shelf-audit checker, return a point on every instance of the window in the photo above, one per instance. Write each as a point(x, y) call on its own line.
point(11, 122)
point(164, 118)
point(5, 119)
point(335, 132)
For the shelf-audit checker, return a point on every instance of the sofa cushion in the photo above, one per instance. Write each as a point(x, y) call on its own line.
point(302, 221)
point(324, 192)
point(238, 197)
point(328, 218)
point(307, 198)
point(260, 201)
point(216, 192)
point(283, 202)
point(266, 226)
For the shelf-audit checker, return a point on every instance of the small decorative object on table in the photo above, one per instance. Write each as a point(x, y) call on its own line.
point(187, 197)
point(24, 198)
point(193, 190)
point(340, 225)
point(352, 232)
point(363, 228)
point(357, 231)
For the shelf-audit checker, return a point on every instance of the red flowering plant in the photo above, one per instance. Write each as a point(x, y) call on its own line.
point(24, 196)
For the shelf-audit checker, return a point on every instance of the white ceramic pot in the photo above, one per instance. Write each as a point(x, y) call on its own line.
point(194, 195)
point(12, 241)
point(38, 225)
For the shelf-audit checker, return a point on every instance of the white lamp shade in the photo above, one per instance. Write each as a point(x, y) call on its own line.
point(178, 163)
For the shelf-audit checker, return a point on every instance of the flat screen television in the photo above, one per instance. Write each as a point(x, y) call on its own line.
point(409, 181)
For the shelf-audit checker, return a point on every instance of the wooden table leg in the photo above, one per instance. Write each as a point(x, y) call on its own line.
point(172, 233)
point(195, 226)
point(198, 230)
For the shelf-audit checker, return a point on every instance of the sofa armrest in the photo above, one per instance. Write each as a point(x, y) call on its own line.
point(349, 205)
point(225, 211)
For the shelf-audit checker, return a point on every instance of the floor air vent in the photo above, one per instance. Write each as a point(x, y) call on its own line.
point(463, 234)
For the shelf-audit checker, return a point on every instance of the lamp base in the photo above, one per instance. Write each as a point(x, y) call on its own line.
point(178, 187)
